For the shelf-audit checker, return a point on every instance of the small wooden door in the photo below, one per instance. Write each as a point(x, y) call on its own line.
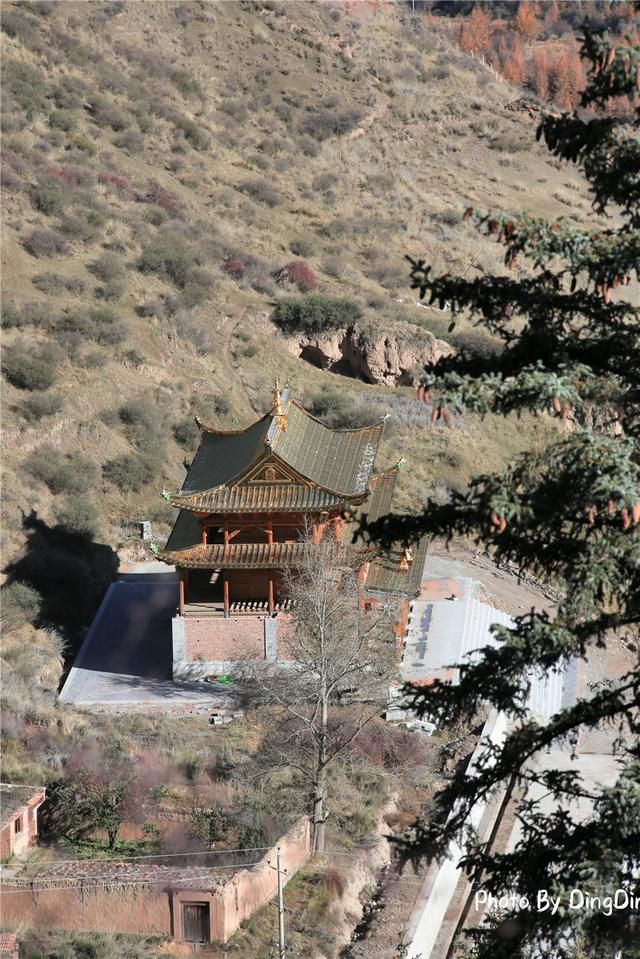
point(195, 921)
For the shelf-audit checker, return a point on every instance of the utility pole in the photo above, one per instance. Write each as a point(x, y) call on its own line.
point(280, 908)
point(280, 873)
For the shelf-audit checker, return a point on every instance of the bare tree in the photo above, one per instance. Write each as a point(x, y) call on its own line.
point(340, 655)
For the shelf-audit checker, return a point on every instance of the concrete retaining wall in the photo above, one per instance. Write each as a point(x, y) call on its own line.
point(442, 881)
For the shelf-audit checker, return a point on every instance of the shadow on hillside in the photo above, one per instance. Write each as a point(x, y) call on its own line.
point(71, 574)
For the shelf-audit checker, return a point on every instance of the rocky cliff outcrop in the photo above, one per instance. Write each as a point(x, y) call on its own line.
point(392, 358)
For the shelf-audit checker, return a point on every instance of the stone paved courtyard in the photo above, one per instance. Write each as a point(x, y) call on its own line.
point(125, 659)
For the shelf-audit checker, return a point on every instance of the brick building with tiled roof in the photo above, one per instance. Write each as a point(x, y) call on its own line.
point(18, 818)
point(247, 501)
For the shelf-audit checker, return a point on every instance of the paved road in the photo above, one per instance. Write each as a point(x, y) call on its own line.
point(125, 659)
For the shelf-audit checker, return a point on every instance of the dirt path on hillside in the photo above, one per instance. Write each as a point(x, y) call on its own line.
point(500, 586)
point(227, 356)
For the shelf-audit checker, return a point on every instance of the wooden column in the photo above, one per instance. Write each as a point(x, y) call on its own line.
point(271, 600)
point(181, 589)
point(225, 587)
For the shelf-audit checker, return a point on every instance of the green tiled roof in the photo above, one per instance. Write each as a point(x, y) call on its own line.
point(186, 532)
point(244, 555)
point(222, 456)
point(387, 576)
point(260, 498)
point(338, 461)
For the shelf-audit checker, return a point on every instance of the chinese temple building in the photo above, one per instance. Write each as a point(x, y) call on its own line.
point(252, 503)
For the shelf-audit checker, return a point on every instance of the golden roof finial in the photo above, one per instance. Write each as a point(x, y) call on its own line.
point(277, 402)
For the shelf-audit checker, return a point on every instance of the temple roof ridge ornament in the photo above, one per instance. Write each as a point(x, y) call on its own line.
point(276, 409)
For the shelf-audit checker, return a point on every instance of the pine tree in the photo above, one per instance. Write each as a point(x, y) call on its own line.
point(569, 513)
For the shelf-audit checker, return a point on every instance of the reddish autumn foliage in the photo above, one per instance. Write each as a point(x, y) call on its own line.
point(526, 20)
point(112, 179)
point(234, 267)
point(300, 274)
point(157, 195)
point(514, 66)
point(63, 175)
point(475, 31)
point(540, 74)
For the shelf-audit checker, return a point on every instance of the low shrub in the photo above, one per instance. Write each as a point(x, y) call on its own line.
point(186, 432)
point(336, 410)
point(15, 23)
point(21, 604)
point(108, 266)
point(210, 406)
point(70, 92)
point(131, 140)
point(28, 86)
point(11, 316)
point(308, 146)
point(55, 283)
point(155, 216)
point(107, 113)
point(186, 83)
point(129, 472)
point(112, 291)
point(80, 228)
point(236, 109)
point(39, 405)
point(64, 120)
point(30, 368)
point(314, 313)
point(199, 286)
point(323, 182)
point(301, 246)
point(196, 135)
point(262, 191)
point(120, 183)
point(100, 324)
point(234, 267)
point(324, 123)
point(62, 473)
point(49, 195)
point(299, 274)
point(142, 420)
point(167, 257)
point(43, 242)
point(78, 515)
point(156, 194)
point(36, 313)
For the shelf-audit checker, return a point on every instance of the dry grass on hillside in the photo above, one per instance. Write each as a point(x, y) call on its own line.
point(150, 147)
point(145, 145)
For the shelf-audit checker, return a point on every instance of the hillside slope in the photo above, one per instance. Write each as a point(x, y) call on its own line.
point(150, 147)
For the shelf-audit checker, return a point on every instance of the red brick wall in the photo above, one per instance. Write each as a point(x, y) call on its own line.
point(286, 629)
point(5, 841)
point(248, 890)
point(135, 909)
point(211, 639)
point(156, 910)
